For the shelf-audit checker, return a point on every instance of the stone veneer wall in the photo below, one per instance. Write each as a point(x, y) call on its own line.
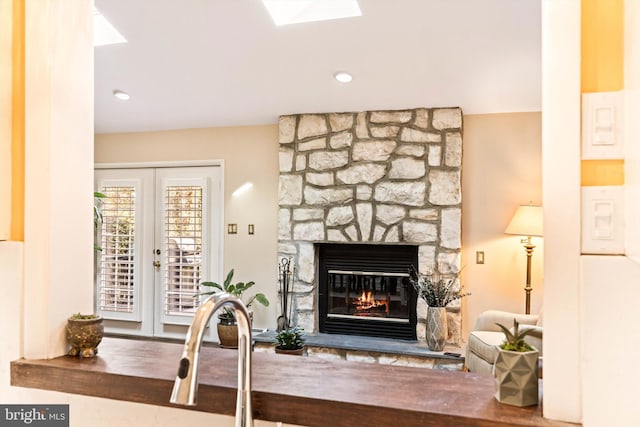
point(370, 177)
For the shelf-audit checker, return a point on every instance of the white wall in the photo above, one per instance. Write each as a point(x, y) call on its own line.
point(610, 328)
point(561, 200)
point(590, 303)
point(632, 127)
point(610, 291)
point(58, 149)
point(11, 300)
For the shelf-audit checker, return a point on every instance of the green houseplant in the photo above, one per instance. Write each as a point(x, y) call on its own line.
point(516, 368)
point(227, 326)
point(290, 341)
point(438, 292)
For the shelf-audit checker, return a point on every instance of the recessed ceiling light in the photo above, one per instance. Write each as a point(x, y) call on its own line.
point(285, 12)
point(104, 32)
point(343, 77)
point(121, 95)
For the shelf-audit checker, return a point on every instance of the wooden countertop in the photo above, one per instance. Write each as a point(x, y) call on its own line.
point(292, 389)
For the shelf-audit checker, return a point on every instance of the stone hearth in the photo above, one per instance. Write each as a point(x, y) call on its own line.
point(371, 350)
point(375, 177)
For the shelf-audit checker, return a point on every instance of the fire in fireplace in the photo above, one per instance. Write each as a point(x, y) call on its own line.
point(365, 290)
point(368, 305)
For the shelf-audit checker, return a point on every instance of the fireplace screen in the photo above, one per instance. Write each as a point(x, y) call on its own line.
point(365, 290)
point(368, 294)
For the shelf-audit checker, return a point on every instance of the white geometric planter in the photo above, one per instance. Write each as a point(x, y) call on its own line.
point(516, 376)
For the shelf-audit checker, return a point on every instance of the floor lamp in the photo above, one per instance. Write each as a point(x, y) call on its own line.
point(527, 221)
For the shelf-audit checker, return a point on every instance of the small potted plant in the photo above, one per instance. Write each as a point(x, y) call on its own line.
point(290, 341)
point(227, 327)
point(516, 368)
point(438, 292)
point(84, 332)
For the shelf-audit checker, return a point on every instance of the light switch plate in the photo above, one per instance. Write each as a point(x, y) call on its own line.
point(603, 220)
point(602, 125)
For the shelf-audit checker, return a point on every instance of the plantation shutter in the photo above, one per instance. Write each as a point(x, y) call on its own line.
point(117, 273)
point(120, 237)
point(185, 237)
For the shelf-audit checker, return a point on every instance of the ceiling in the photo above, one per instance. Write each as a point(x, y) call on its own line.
point(211, 63)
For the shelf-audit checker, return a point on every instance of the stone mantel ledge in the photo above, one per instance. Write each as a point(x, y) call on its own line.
point(290, 389)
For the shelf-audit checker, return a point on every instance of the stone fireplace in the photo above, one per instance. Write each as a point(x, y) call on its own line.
point(370, 178)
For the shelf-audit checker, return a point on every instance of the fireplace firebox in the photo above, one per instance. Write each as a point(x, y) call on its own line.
point(365, 290)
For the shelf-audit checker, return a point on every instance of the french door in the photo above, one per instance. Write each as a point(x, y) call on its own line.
point(161, 235)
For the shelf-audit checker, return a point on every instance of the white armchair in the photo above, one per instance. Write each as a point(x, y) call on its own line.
point(482, 345)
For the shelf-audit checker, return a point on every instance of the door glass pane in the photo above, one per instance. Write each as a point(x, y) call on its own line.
point(372, 295)
point(116, 281)
point(183, 248)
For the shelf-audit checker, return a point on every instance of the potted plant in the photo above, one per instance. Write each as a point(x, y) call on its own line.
point(227, 326)
point(290, 341)
point(84, 332)
point(438, 292)
point(516, 369)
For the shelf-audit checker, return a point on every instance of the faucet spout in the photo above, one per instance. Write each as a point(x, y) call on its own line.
point(186, 384)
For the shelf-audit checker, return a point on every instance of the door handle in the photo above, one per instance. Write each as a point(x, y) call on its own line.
point(156, 264)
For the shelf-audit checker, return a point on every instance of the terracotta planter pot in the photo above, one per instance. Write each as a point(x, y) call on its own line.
point(228, 331)
point(84, 335)
point(516, 376)
point(436, 328)
point(295, 352)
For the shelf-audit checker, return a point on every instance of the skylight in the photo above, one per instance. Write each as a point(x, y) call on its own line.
point(103, 32)
point(285, 12)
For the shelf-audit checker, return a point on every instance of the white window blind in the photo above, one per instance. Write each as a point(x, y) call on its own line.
point(117, 260)
point(183, 248)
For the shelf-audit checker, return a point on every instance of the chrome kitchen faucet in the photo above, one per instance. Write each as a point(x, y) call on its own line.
point(185, 387)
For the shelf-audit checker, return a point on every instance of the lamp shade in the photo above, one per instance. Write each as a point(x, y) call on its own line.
point(527, 221)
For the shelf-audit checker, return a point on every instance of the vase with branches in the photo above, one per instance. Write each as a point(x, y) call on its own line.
point(438, 291)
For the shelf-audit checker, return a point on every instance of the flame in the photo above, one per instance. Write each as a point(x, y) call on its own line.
point(367, 298)
point(367, 301)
